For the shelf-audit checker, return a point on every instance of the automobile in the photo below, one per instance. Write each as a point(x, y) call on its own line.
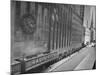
point(91, 45)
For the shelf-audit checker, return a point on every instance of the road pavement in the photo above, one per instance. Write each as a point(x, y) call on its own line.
point(82, 60)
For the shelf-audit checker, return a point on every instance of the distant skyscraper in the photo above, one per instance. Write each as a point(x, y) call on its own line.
point(91, 28)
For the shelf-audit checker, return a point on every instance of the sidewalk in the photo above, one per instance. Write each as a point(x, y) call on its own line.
point(84, 59)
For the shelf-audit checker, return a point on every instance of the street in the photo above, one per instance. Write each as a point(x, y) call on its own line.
point(82, 60)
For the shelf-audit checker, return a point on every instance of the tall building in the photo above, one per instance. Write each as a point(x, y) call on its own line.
point(92, 29)
point(89, 23)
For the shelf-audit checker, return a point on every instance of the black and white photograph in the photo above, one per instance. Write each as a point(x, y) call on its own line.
point(52, 37)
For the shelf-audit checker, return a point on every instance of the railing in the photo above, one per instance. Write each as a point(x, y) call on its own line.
point(34, 62)
point(25, 65)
